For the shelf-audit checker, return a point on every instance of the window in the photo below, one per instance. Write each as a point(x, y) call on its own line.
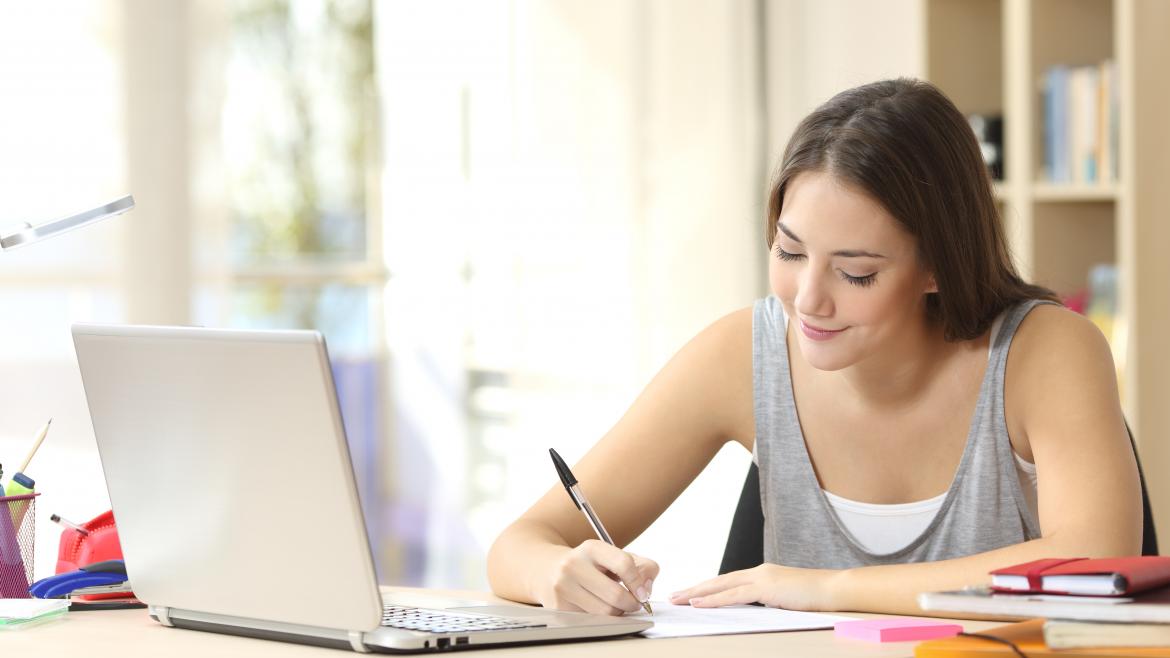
point(61, 151)
point(297, 246)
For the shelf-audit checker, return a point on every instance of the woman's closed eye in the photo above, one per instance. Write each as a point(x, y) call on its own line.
point(785, 256)
point(861, 281)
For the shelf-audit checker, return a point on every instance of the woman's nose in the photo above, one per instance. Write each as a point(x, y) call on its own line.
point(812, 297)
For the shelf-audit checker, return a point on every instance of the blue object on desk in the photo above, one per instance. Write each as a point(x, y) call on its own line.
point(110, 572)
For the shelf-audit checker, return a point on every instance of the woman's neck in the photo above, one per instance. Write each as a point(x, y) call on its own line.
point(898, 376)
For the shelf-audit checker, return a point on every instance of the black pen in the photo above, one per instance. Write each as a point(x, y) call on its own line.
point(570, 482)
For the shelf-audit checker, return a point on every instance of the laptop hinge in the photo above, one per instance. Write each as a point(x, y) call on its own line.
point(355, 641)
point(163, 614)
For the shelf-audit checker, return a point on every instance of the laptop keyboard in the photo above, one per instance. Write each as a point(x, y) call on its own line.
point(442, 621)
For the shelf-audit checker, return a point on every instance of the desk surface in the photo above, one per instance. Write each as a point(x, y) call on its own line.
point(128, 633)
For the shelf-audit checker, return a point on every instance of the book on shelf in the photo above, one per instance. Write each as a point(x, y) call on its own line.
point(1067, 634)
point(1080, 112)
point(1082, 126)
point(1082, 576)
point(1055, 106)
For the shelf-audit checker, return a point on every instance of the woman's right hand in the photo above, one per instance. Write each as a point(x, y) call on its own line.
point(586, 579)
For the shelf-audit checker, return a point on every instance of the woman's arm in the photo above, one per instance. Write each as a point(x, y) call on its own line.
point(700, 400)
point(1061, 391)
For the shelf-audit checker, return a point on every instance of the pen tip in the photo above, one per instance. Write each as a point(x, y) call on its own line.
point(567, 477)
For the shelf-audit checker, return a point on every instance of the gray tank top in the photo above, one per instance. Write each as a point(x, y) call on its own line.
point(984, 507)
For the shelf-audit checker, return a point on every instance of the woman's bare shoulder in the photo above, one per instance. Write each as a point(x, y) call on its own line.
point(719, 362)
point(1052, 334)
point(723, 348)
point(735, 328)
point(1060, 366)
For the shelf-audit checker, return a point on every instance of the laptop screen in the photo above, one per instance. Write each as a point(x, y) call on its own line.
point(228, 472)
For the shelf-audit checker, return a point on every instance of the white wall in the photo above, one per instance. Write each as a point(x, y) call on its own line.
point(817, 48)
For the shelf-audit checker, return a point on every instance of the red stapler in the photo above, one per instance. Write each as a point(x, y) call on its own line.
point(101, 544)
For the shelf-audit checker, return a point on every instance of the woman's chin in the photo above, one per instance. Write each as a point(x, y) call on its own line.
point(824, 356)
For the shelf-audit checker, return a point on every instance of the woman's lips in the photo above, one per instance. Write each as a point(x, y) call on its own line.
point(817, 333)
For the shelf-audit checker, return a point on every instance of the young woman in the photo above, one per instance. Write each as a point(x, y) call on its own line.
point(920, 415)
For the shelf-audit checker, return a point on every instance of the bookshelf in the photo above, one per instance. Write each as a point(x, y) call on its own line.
point(994, 57)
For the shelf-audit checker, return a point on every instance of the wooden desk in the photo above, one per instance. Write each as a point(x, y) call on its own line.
point(131, 633)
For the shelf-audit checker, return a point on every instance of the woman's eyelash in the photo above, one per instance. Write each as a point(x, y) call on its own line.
point(860, 281)
point(785, 256)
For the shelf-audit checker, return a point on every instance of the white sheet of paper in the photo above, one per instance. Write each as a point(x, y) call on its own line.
point(1065, 598)
point(684, 621)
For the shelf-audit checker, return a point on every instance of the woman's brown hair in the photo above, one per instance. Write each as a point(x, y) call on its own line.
point(905, 144)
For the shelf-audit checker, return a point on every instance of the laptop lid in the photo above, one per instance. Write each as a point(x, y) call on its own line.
point(229, 473)
point(230, 477)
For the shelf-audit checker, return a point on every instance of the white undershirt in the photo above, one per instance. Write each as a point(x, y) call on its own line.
point(883, 529)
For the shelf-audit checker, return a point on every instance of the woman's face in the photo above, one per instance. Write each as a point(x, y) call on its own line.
point(847, 273)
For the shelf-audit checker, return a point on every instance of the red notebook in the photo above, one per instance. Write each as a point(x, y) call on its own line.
point(1114, 576)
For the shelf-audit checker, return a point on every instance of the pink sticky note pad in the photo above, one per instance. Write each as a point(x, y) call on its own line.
point(895, 629)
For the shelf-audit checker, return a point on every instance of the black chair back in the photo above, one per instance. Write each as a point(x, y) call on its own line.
point(1149, 535)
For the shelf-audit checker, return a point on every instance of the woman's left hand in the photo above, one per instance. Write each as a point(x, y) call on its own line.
point(771, 584)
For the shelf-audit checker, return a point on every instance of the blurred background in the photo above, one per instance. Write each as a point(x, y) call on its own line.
point(506, 215)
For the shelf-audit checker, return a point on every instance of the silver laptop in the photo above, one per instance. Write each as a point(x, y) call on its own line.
point(230, 478)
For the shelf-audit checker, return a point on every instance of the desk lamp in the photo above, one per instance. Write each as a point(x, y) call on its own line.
point(30, 233)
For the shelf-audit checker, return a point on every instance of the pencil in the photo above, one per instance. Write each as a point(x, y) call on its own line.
point(36, 445)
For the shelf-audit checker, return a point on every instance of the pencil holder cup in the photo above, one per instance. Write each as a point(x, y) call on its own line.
point(17, 534)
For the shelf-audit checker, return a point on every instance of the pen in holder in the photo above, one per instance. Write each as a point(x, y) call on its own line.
point(17, 535)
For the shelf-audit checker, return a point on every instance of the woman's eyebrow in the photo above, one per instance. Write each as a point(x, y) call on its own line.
point(847, 253)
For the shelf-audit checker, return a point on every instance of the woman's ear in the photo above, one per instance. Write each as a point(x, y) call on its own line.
point(931, 284)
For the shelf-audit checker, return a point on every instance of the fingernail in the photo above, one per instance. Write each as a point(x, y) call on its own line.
point(649, 588)
point(642, 594)
point(696, 601)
